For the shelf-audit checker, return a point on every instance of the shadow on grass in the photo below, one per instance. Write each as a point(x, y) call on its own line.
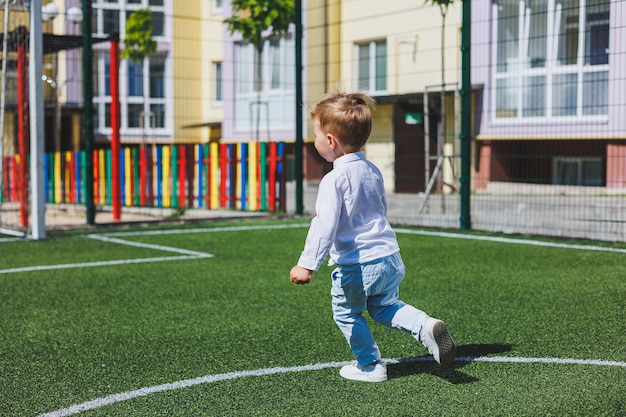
point(427, 365)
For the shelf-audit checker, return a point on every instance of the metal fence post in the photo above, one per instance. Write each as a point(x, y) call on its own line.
point(466, 116)
point(88, 109)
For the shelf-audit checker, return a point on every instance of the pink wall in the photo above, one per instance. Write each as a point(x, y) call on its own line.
point(616, 165)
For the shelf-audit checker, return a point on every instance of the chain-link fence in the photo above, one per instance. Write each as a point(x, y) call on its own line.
point(548, 88)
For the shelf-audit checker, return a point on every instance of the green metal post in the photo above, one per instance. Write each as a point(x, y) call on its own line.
point(88, 110)
point(263, 175)
point(466, 116)
point(299, 175)
point(83, 170)
point(174, 172)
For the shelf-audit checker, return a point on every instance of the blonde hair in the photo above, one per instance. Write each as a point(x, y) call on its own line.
point(347, 116)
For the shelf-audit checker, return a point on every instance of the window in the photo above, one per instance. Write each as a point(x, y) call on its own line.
point(217, 89)
point(371, 59)
point(110, 22)
point(578, 171)
point(550, 59)
point(260, 104)
point(597, 34)
point(158, 23)
point(109, 16)
point(135, 79)
point(217, 6)
point(157, 115)
point(276, 76)
point(244, 58)
point(142, 84)
point(156, 64)
point(135, 115)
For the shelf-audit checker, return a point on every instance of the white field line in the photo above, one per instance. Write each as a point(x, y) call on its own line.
point(211, 230)
point(142, 392)
point(186, 254)
point(518, 359)
point(101, 263)
point(148, 246)
point(194, 255)
point(115, 398)
point(399, 230)
point(510, 240)
point(11, 232)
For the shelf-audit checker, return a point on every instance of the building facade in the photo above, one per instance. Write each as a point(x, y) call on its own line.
point(551, 78)
point(548, 79)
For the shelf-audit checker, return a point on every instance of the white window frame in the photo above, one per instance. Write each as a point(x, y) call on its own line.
point(123, 7)
point(549, 71)
point(371, 88)
point(218, 83)
point(276, 108)
point(102, 100)
point(217, 6)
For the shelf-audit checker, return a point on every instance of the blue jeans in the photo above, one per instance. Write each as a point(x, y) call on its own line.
point(372, 286)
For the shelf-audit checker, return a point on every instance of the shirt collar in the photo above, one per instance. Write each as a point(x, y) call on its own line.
point(347, 158)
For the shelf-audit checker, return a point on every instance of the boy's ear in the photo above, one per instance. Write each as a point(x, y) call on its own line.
point(332, 140)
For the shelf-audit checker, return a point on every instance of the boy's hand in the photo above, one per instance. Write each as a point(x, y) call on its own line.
point(300, 275)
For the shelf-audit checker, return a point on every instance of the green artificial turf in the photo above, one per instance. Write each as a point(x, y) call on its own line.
point(69, 336)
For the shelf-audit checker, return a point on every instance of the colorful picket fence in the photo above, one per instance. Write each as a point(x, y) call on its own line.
point(242, 176)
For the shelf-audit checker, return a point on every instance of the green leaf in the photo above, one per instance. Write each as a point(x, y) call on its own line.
point(255, 18)
point(138, 42)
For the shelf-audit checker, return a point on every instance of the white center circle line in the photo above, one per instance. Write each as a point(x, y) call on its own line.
point(141, 392)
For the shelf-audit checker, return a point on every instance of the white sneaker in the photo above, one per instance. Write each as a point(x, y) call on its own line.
point(436, 338)
point(375, 372)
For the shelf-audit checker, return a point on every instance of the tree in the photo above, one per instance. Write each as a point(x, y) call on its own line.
point(257, 20)
point(443, 8)
point(138, 42)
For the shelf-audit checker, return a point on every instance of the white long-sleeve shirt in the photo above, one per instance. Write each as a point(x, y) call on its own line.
point(350, 221)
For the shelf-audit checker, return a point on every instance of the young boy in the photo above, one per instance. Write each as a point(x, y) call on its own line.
point(350, 224)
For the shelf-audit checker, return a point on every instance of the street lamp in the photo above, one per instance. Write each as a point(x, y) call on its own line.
point(75, 15)
point(49, 12)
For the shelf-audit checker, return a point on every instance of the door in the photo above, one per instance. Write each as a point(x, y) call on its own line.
point(409, 140)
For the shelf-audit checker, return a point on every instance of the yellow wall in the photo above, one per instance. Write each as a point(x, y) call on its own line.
point(413, 34)
point(323, 46)
point(197, 45)
point(380, 147)
point(317, 39)
point(382, 124)
point(212, 52)
point(187, 66)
